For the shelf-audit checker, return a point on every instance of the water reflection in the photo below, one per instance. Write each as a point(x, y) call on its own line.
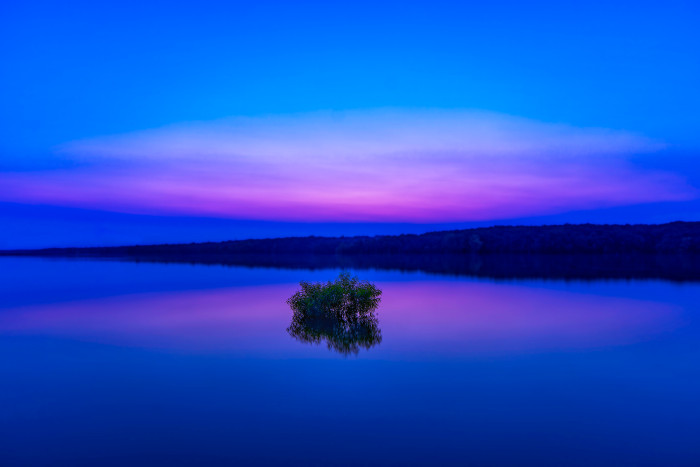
point(678, 268)
point(341, 313)
point(343, 335)
point(121, 362)
point(425, 317)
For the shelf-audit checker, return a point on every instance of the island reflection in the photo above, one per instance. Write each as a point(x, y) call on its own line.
point(341, 313)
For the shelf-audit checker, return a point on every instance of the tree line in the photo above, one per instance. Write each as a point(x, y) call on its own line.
point(675, 237)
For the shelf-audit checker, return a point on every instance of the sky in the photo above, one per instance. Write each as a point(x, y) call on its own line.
point(147, 122)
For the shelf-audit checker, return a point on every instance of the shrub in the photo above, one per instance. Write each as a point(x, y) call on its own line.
point(341, 312)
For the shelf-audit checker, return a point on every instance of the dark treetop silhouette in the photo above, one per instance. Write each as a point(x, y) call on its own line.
point(341, 312)
point(672, 238)
point(586, 251)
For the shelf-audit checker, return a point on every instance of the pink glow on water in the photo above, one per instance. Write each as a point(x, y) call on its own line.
point(249, 318)
point(418, 319)
point(433, 167)
point(484, 317)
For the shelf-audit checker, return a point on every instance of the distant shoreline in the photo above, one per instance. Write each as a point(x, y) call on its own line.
point(670, 238)
point(570, 252)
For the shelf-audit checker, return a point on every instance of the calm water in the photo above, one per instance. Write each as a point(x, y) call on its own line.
point(115, 363)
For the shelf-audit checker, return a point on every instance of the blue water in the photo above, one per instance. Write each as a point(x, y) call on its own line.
point(117, 363)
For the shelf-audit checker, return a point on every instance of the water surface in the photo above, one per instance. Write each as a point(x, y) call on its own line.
point(118, 363)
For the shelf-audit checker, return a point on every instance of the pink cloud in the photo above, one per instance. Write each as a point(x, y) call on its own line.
point(373, 166)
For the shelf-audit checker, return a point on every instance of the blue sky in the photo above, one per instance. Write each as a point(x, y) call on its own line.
point(76, 71)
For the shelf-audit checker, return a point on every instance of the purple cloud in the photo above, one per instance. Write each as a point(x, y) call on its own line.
point(420, 166)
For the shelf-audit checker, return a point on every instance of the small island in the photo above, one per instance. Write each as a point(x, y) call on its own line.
point(342, 313)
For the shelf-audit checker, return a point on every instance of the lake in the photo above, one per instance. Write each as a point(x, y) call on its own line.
point(126, 363)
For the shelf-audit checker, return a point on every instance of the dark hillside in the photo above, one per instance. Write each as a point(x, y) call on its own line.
point(672, 238)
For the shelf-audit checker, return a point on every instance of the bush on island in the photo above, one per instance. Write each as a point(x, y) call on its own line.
point(340, 312)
